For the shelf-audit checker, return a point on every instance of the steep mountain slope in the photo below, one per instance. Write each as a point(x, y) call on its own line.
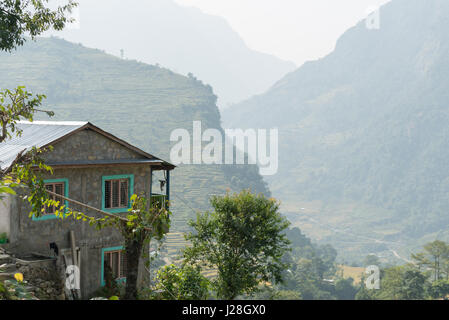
point(182, 39)
point(364, 135)
point(137, 102)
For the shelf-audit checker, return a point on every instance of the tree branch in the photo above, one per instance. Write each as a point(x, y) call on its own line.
point(92, 208)
point(19, 158)
point(11, 14)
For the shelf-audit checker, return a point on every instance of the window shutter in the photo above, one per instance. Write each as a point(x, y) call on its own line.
point(116, 193)
point(116, 260)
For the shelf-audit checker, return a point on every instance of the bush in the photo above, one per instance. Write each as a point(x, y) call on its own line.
point(181, 283)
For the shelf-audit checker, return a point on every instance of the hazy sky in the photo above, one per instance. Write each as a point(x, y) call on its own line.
point(296, 30)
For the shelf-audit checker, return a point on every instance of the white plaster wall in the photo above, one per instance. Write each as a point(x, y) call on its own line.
point(5, 214)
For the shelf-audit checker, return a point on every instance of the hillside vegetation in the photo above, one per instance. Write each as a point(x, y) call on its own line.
point(183, 39)
point(137, 102)
point(364, 134)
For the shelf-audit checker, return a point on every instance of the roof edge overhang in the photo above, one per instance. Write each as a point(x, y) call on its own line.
point(154, 164)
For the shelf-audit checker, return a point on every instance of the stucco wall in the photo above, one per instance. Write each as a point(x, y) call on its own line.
point(5, 214)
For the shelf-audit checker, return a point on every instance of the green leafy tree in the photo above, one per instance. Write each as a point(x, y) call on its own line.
point(413, 285)
point(310, 268)
point(398, 283)
point(439, 289)
point(434, 256)
point(365, 294)
point(24, 17)
point(445, 265)
point(182, 283)
point(391, 283)
point(309, 281)
point(420, 260)
point(345, 289)
point(244, 239)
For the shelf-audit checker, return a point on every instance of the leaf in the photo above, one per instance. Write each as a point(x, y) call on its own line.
point(7, 190)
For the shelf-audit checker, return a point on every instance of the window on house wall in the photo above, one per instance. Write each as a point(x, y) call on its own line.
point(117, 190)
point(116, 261)
point(58, 188)
point(116, 193)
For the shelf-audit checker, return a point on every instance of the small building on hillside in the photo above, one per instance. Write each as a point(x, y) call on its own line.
point(90, 166)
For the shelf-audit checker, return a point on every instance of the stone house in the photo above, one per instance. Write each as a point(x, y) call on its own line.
point(90, 166)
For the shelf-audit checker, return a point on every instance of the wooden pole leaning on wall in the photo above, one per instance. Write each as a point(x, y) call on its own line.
point(73, 247)
point(75, 261)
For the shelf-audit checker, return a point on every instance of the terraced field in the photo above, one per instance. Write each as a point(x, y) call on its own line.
point(173, 246)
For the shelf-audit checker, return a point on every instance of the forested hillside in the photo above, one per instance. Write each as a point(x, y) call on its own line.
point(364, 135)
point(139, 103)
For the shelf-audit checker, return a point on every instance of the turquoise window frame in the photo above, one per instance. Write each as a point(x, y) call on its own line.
point(130, 177)
point(103, 251)
point(66, 203)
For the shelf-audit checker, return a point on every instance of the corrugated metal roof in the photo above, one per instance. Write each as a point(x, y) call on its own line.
point(35, 134)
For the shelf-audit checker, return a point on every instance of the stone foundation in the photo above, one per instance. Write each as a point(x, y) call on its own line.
point(41, 276)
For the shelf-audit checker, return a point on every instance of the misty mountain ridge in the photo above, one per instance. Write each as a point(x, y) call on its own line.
point(183, 39)
point(364, 133)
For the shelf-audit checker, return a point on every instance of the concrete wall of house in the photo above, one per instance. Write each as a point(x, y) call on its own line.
point(5, 212)
point(85, 185)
